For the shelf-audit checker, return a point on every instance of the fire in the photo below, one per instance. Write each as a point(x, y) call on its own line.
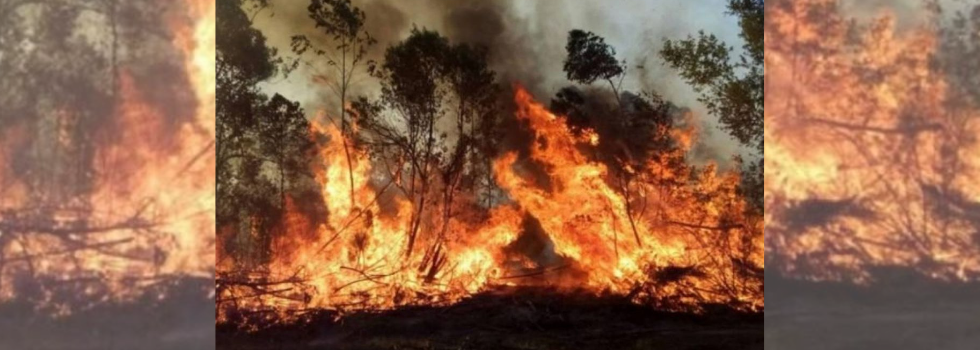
point(576, 233)
point(871, 153)
point(580, 194)
point(193, 199)
point(150, 214)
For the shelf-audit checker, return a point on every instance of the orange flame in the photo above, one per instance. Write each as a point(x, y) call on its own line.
point(151, 212)
point(357, 259)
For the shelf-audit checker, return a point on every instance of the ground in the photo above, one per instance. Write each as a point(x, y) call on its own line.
point(512, 320)
point(908, 315)
point(184, 320)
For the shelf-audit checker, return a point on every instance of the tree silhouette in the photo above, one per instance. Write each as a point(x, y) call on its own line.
point(731, 88)
point(590, 58)
point(632, 131)
point(242, 61)
point(284, 139)
point(255, 132)
point(426, 80)
point(243, 191)
point(343, 24)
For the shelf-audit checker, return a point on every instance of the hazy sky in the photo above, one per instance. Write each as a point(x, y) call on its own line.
point(527, 40)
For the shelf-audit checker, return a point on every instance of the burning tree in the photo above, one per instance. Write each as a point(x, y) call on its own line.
point(732, 89)
point(106, 156)
point(871, 166)
point(886, 176)
point(343, 24)
point(426, 82)
point(598, 197)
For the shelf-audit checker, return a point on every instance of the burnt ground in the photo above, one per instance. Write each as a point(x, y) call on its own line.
point(183, 320)
point(512, 319)
point(908, 314)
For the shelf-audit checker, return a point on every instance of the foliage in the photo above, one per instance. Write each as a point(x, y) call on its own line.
point(284, 139)
point(343, 24)
point(427, 82)
point(640, 139)
point(590, 58)
point(731, 89)
point(264, 146)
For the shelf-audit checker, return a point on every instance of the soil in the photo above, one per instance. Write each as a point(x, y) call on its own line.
point(183, 320)
point(512, 319)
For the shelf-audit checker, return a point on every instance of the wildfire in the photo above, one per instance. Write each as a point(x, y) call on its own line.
point(150, 213)
point(577, 233)
point(871, 153)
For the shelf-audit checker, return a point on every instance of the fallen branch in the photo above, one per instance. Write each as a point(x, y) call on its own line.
point(538, 272)
point(94, 246)
point(703, 227)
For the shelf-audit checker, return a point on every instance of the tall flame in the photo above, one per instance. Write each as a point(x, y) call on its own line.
point(357, 259)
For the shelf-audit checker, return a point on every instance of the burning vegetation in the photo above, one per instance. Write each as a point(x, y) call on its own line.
point(872, 160)
point(106, 161)
point(448, 183)
point(871, 144)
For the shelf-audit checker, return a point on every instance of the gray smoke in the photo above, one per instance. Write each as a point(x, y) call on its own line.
point(526, 40)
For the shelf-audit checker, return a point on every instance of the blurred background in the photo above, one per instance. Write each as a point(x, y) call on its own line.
point(106, 174)
point(872, 208)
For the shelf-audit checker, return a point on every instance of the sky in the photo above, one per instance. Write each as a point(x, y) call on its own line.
point(527, 41)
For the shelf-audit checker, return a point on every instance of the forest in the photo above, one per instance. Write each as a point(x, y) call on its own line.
point(446, 181)
point(106, 174)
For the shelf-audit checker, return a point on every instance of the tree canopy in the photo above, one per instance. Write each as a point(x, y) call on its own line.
point(732, 89)
point(590, 58)
point(264, 144)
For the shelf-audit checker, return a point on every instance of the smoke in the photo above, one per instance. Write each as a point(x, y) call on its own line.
point(526, 42)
